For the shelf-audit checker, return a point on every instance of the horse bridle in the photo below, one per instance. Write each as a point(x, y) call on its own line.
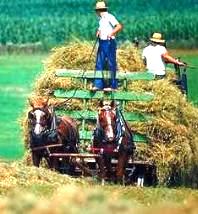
point(101, 128)
point(31, 115)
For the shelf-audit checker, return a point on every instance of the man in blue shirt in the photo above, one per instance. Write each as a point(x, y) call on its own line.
point(106, 32)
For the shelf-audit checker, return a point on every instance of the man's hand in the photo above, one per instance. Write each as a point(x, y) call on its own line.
point(97, 33)
point(180, 63)
point(109, 36)
point(117, 28)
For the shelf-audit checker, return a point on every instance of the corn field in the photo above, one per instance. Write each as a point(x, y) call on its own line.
point(55, 21)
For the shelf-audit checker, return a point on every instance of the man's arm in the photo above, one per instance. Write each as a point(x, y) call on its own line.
point(169, 59)
point(97, 33)
point(117, 29)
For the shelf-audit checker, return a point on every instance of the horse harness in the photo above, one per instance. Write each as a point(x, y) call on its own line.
point(50, 132)
point(121, 129)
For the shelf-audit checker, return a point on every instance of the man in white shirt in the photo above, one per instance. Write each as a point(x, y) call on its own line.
point(107, 30)
point(155, 56)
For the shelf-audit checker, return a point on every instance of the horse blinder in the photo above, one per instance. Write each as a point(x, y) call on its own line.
point(31, 115)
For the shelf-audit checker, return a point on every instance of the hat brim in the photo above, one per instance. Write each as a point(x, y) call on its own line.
point(100, 8)
point(157, 40)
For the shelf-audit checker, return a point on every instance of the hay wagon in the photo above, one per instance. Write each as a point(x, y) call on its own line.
point(85, 162)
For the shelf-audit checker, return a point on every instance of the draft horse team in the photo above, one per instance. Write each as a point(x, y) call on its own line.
point(49, 134)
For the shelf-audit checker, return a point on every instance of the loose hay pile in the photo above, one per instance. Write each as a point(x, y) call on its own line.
point(37, 190)
point(173, 131)
point(15, 174)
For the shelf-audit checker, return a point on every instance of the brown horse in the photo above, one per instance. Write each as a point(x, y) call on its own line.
point(112, 138)
point(46, 129)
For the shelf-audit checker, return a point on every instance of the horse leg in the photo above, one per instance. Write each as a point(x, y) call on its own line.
point(54, 164)
point(120, 169)
point(101, 165)
point(49, 162)
point(140, 179)
point(107, 162)
point(68, 166)
point(36, 158)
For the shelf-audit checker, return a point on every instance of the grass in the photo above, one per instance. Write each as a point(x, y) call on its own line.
point(17, 75)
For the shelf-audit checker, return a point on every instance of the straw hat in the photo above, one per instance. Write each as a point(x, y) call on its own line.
point(157, 37)
point(100, 5)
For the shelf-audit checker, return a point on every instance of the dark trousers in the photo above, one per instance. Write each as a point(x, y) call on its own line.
point(106, 54)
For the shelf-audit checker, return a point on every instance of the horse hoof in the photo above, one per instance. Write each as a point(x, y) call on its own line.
point(120, 181)
point(103, 182)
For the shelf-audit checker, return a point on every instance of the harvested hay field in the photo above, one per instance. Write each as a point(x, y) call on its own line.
point(26, 189)
point(173, 129)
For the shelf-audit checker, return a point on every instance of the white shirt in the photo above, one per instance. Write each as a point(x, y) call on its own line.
point(154, 61)
point(107, 22)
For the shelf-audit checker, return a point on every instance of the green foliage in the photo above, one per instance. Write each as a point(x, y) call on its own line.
point(56, 21)
point(17, 74)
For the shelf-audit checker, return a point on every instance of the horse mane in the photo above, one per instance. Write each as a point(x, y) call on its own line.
point(39, 102)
